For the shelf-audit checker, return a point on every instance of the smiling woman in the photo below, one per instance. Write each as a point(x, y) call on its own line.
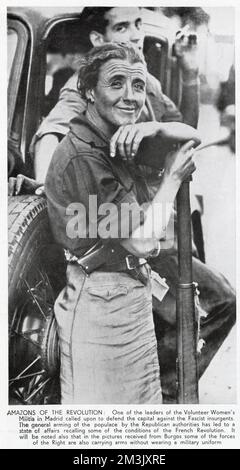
point(104, 314)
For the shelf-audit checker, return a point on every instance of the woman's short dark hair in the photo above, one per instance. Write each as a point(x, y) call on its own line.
point(96, 57)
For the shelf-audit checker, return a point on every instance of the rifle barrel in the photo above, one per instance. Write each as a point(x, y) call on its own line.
point(186, 321)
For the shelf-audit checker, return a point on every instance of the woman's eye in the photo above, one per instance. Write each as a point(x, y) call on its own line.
point(139, 86)
point(116, 84)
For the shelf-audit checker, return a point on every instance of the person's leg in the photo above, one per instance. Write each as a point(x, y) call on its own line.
point(217, 299)
point(107, 340)
point(65, 311)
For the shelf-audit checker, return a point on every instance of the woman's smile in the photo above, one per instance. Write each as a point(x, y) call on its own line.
point(127, 109)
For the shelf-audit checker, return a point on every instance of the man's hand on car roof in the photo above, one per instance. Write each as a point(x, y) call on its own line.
point(186, 51)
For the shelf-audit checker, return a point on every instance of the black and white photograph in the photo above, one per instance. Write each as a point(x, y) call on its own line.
point(121, 182)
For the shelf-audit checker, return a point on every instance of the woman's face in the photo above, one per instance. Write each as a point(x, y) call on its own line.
point(120, 92)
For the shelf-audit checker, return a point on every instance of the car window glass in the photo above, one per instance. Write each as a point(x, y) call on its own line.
point(65, 47)
point(17, 45)
point(12, 39)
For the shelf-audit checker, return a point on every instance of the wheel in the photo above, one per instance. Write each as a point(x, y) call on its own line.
point(36, 275)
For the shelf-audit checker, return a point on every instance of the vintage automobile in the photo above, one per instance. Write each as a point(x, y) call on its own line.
point(36, 264)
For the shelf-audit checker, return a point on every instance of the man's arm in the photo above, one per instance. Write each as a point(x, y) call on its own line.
point(186, 51)
point(52, 128)
point(44, 150)
point(166, 111)
point(55, 125)
point(69, 105)
point(190, 100)
point(163, 107)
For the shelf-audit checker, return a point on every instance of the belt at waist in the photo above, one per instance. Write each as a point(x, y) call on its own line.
point(139, 269)
point(128, 263)
point(104, 258)
point(96, 260)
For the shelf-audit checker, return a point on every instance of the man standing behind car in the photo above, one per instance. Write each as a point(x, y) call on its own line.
point(217, 297)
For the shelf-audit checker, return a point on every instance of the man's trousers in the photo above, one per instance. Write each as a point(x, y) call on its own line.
point(217, 299)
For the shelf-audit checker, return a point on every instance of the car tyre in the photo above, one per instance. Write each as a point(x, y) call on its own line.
point(36, 273)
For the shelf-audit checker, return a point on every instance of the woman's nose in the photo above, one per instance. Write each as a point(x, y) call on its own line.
point(128, 92)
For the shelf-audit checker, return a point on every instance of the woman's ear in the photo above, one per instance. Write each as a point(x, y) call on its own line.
point(96, 38)
point(90, 96)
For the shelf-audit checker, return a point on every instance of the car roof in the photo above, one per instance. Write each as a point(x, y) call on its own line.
point(44, 13)
point(37, 17)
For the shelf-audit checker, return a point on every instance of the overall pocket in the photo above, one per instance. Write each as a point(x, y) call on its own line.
point(107, 292)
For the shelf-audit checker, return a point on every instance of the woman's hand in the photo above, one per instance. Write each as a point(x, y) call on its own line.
point(180, 165)
point(127, 139)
